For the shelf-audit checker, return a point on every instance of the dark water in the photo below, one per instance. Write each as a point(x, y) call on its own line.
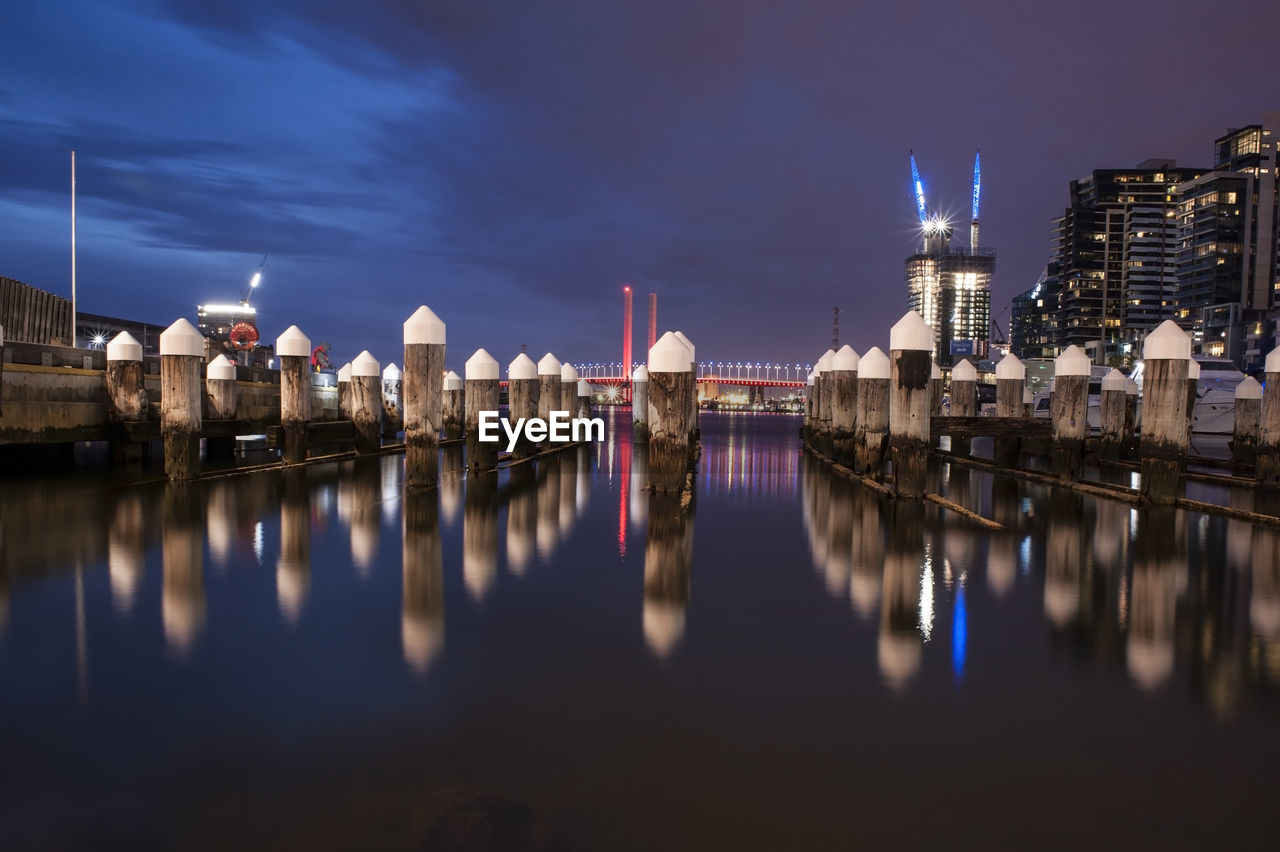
point(554, 659)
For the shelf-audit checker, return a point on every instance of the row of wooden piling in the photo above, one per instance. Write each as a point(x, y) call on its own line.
point(868, 410)
point(422, 400)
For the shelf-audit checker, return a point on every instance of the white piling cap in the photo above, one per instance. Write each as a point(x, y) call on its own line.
point(688, 344)
point(391, 373)
point(934, 371)
point(809, 381)
point(1193, 369)
point(452, 381)
point(874, 364)
point(964, 372)
point(125, 347)
point(1072, 362)
point(1113, 381)
point(1011, 368)
point(669, 355)
point(366, 365)
point(293, 342)
point(845, 359)
point(1249, 389)
point(910, 332)
point(481, 365)
point(584, 387)
point(568, 373)
point(641, 374)
point(824, 362)
point(423, 327)
point(1272, 364)
point(220, 369)
point(344, 373)
point(522, 368)
point(1130, 387)
point(1167, 342)
point(549, 365)
point(181, 338)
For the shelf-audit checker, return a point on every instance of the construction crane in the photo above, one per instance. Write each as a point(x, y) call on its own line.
point(254, 281)
point(977, 194)
point(917, 189)
point(997, 336)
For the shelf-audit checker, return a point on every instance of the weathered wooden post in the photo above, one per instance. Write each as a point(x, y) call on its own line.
point(294, 349)
point(669, 388)
point(481, 394)
point(126, 394)
point(964, 400)
point(522, 399)
point(844, 403)
point(871, 424)
point(1165, 425)
point(910, 365)
point(392, 407)
point(1248, 416)
point(640, 405)
point(935, 389)
point(1069, 412)
point(568, 389)
point(693, 389)
point(220, 387)
point(1267, 470)
point(584, 398)
point(808, 429)
point(822, 383)
point(1131, 390)
point(455, 414)
point(1111, 417)
point(366, 402)
point(1193, 386)
point(344, 390)
point(548, 385)
point(424, 342)
point(1011, 381)
point(181, 395)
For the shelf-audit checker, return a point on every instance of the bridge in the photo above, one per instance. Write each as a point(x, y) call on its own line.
point(742, 374)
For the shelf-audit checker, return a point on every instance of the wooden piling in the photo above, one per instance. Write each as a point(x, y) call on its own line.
point(584, 398)
point(669, 387)
point(640, 405)
point(871, 422)
point(1268, 455)
point(1069, 412)
point(481, 394)
point(424, 351)
point(455, 412)
point(1193, 388)
point(1248, 417)
point(223, 397)
point(693, 387)
point(568, 389)
point(1131, 395)
point(822, 386)
point(548, 386)
point(366, 402)
point(522, 399)
point(808, 433)
point(1111, 418)
point(1165, 425)
point(392, 400)
point(294, 349)
point(910, 367)
point(126, 394)
point(1011, 382)
point(181, 394)
point(344, 390)
point(935, 389)
point(964, 400)
point(844, 404)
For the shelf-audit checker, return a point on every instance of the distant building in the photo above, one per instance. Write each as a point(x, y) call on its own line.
point(1116, 251)
point(950, 286)
point(94, 331)
point(1033, 323)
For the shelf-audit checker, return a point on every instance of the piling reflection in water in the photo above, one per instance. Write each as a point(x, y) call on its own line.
point(182, 598)
point(668, 562)
point(293, 569)
point(126, 551)
point(220, 522)
point(480, 534)
point(359, 507)
point(522, 518)
point(422, 611)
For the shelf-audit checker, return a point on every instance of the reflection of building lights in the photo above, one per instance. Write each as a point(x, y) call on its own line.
point(257, 541)
point(926, 599)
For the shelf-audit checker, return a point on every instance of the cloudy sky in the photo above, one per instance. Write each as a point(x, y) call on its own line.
point(511, 164)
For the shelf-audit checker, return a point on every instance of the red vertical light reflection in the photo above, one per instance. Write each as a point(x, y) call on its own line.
point(624, 489)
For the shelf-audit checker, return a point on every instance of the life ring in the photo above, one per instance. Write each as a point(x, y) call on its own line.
point(243, 335)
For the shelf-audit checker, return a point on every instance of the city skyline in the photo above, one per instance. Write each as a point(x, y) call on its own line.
point(505, 167)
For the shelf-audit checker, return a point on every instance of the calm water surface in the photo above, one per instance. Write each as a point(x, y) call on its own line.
point(554, 659)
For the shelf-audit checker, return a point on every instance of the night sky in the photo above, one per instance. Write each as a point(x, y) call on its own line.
point(511, 164)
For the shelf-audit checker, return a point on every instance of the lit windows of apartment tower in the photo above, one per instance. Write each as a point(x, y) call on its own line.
point(1227, 258)
point(1033, 322)
point(1116, 250)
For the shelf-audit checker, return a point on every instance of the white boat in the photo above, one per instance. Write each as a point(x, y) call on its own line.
point(1214, 411)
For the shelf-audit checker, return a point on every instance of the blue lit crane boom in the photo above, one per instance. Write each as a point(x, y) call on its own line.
point(977, 196)
point(917, 187)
